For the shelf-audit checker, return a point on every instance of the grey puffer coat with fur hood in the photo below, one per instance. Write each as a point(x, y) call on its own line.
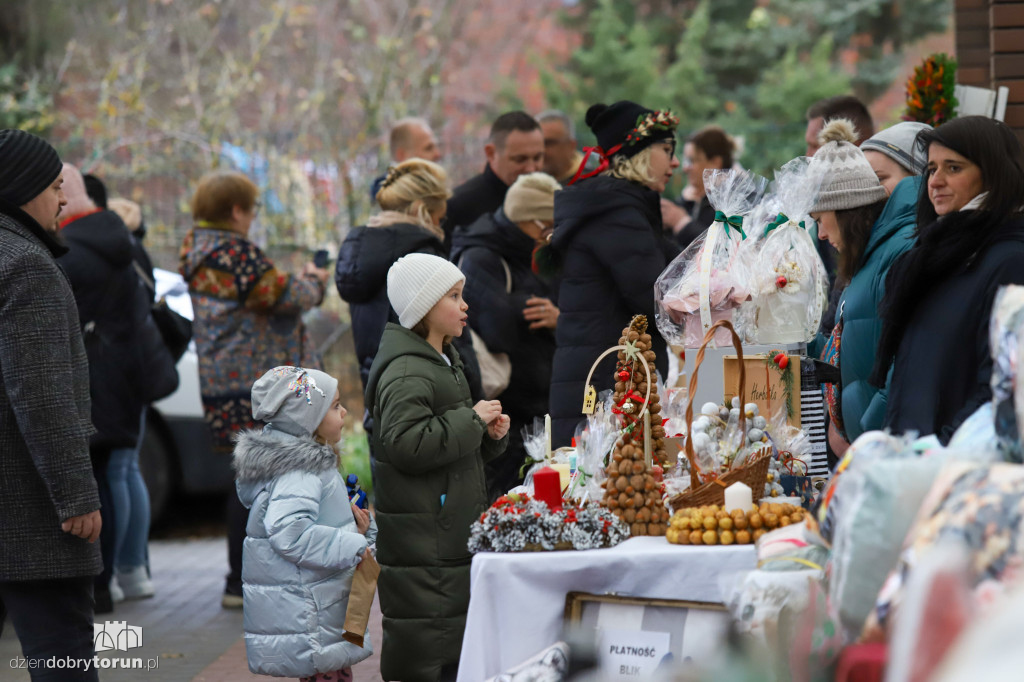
point(301, 551)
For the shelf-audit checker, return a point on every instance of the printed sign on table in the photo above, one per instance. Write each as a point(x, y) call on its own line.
point(632, 654)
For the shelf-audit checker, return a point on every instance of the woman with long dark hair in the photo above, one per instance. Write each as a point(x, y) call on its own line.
point(939, 294)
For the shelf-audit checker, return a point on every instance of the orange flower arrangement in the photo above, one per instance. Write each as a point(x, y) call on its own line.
point(930, 97)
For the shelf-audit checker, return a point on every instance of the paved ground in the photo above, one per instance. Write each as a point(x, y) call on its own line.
point(185, 632)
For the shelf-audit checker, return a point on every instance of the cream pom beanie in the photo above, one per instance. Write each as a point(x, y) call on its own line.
point(416, 283)
point(531, 197)
point(850, 182)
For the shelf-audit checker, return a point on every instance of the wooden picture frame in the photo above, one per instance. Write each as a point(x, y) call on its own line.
point(691, 630)
point(575, 601)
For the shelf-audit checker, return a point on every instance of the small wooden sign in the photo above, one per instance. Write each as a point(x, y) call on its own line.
point(766, 387)
point(589, 400)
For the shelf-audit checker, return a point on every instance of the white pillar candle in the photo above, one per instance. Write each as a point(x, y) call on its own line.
point(547, 432)
point(738, 496)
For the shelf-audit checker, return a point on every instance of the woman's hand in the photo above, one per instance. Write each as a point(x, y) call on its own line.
point(499, 427)
point(362, 518)
point(673, 216)
point(488, 410)
point(838, 445)
point(540, 313)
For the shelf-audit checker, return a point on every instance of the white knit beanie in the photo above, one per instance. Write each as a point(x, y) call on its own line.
point(531, 197)
point(850, 182)
point(417, 282)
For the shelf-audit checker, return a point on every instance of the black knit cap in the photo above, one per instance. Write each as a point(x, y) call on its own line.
point(621, 124)
point(28, 165)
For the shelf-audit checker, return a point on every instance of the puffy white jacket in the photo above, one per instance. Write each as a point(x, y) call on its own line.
point(300, 553)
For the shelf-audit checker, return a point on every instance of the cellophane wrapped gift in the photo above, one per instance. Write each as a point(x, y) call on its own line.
point(755, 225)
point(876, 498)
point(782, 607)
point(710, 278)
point(788, 283)
point(980, 506)
point(1005, 331)
point(594, 442)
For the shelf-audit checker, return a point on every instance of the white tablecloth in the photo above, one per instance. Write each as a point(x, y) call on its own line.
point(517, 600)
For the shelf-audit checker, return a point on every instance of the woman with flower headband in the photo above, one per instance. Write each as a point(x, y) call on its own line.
point(413, 199)
point(609, 242)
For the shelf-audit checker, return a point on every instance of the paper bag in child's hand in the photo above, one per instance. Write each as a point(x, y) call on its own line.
point(360, 600)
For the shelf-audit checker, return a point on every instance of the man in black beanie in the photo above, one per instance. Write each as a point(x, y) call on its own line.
point(50, 505)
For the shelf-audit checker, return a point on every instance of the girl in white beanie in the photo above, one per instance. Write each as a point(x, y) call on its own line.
point(304, 538)
point(430, 443)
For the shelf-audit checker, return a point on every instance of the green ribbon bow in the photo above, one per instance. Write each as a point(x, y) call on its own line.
point(779, 221)
point(734, 220)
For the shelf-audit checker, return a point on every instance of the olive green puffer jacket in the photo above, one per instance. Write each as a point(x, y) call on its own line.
point(430, 448)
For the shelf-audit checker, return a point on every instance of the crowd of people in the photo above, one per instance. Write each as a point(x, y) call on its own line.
point(474, 310)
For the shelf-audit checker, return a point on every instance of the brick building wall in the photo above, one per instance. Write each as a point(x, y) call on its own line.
point(990, 50)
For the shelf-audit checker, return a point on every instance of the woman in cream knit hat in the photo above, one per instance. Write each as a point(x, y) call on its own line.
point(513, 306)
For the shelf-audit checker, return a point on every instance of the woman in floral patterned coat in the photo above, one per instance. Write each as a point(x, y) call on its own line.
point(247, 321)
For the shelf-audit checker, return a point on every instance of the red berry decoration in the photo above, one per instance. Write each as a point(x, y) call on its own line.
point(781, 282)
point(624, 375)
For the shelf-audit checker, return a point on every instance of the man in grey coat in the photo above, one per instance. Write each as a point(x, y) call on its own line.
point(49, 506)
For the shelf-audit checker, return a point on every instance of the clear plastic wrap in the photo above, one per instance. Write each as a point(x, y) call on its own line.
point(710, 278)
point(977, 505)
point(788, 282)
point(1005, 330)
point(594, 442)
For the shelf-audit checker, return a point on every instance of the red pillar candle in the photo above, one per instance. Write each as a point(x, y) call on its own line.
point(547, 488)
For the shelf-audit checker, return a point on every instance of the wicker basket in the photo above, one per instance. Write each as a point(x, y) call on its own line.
point(754, 473)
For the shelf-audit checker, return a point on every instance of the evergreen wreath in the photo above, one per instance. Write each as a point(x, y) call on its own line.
point(646, 124)
point(518, 523)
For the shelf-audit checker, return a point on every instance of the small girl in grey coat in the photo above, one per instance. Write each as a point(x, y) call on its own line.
point(304, 537)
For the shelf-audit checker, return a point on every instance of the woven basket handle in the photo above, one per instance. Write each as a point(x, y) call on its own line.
point(708, 338)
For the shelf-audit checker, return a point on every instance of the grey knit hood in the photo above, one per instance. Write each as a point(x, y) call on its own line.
point(262, 456)
point(294, 399)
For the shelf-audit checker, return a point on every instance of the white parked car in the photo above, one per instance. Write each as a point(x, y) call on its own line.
point(176, 453)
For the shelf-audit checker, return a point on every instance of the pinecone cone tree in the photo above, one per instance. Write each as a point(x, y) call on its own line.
point(632, 491)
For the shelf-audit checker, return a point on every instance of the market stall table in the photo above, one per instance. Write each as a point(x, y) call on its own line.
point(517, 599)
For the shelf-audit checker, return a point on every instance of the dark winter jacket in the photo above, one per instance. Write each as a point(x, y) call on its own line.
point(892, 234)
point(430, 447)
point(45, 473)
point(942, 368)
point(484, 193)
point(113, 306)
point(608, 236)
point(361, 276)
point(497, 316)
